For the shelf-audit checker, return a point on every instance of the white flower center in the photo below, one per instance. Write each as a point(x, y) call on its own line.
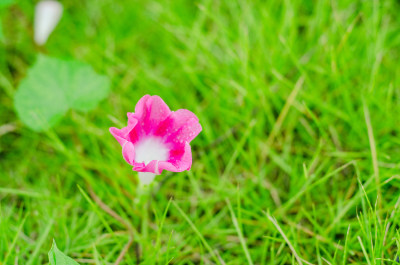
point(149, 149)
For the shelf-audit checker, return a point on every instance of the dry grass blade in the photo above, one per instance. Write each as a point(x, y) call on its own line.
point(273, 220)
point(117, 217)
point(374, 155)
point(285, 110)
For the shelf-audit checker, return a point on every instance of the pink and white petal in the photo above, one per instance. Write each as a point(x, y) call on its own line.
point(153, 117)
point(141, 108)
point(158, 112)
point(190, 130)
point(132, 120)
point(119, 135)
point(128, 152)
point(181, 126)
point(139, 167)
point(151, 167)
point(180, 160)
point(139, 115)
point(122, 135)
point(150, 112)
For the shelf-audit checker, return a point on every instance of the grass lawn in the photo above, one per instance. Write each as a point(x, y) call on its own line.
point(298, 161)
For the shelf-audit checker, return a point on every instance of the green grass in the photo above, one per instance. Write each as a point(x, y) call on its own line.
point(298, 160)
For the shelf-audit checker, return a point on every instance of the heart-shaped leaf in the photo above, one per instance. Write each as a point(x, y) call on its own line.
point(53, 86)
point(56, 257)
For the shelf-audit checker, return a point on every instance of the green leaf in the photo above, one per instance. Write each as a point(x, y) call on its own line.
point(53, 86)
point(56, 257)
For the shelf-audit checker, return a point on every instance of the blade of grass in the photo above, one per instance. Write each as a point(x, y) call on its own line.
point(41, 241)
point(273, 220)
point(240, 234)
point(197, 232)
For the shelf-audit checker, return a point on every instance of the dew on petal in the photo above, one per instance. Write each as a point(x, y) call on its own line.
point(162, 136)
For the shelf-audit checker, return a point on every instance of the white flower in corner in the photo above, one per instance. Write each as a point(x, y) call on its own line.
point(47, 16)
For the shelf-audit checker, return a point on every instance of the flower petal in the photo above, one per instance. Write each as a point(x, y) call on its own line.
point(140, 108)
point(180, 160)
point(153, 119)
point(150, 111)
point(47, 15)
point(122, 135)
point(158, 111)
point(150, 167)
point(180, 127)
point(119, 135)
point(128, 152)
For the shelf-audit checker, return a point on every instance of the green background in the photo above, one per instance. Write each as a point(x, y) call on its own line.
point(298, 160)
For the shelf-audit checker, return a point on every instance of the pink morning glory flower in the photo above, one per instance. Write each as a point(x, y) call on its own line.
point(157, 138)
